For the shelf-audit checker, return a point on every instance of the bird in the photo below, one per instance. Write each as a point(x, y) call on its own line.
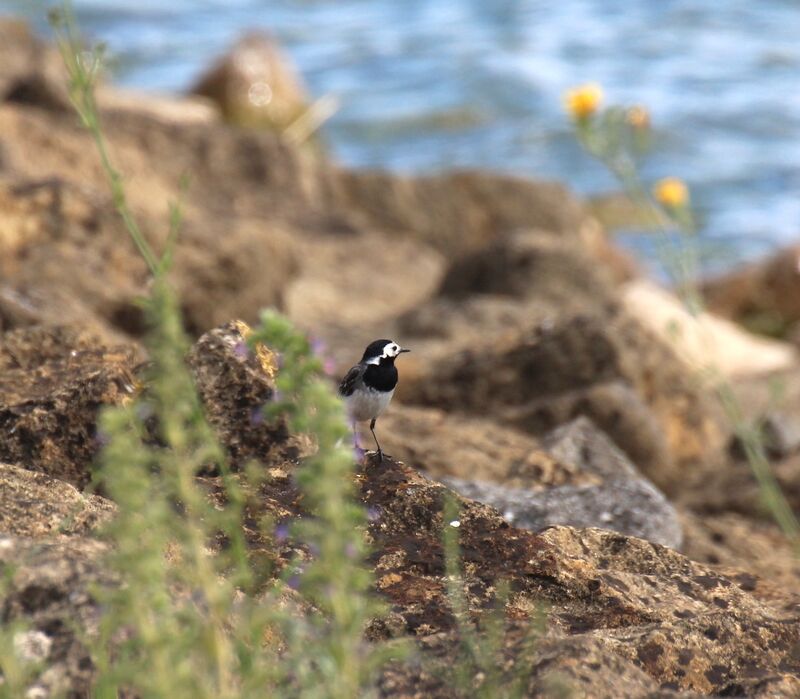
point(368, 387)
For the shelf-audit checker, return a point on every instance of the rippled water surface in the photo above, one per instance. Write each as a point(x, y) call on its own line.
point(429, 84)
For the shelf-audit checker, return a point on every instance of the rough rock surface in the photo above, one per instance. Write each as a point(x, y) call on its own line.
point(682, 624)
point(52, 384)
point(235, 383)
point(34, 505)
point(647, 619)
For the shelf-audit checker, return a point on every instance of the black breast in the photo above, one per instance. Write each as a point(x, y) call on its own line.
point(382, 377)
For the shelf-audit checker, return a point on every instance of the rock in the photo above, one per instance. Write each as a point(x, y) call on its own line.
point(462, 211)
point(606, 367)
point(473, 448)
point(30, 71)
point(580, 443)
point(756, 553)
point(623, 501)
point(50, 223)
point(35, 505)
point(254, 84)
point(528, 263)
point(631, 506)
point(53, 382)
point(336, 287)
point(615, 407)
point(682, 624)
point(178, 110)
point(763, 296)
point(706, 342)
point(234, 384)
point(50, 590)
point(735, 489)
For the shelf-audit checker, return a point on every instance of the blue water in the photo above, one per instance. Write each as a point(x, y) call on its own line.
point(430, 84)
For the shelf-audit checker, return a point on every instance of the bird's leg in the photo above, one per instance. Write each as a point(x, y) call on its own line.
point(377, 444)
point(359, 452)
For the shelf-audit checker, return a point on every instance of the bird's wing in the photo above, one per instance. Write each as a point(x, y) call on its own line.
point(351, 379)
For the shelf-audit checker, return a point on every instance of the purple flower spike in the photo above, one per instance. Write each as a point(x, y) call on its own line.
point(329, 366)
point(294, 582)
point(374, 513)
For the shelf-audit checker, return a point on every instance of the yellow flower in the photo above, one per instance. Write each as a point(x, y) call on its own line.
point(671, 192)
point(583, 101)
point(638, 117)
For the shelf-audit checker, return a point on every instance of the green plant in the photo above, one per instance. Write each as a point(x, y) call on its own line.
point(619, 138)
point(191, 617)
point(337, 662)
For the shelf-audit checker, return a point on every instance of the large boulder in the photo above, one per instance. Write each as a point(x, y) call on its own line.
point(606, 367)
point(255, 85)
point(650, 621)
point(683, 625)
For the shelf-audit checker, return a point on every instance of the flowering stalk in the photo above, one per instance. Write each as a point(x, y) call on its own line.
point(615, 138)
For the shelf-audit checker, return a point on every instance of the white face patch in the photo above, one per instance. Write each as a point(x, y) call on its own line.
point(390, 350)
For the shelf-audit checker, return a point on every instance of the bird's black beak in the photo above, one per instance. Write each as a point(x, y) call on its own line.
point(404, 350)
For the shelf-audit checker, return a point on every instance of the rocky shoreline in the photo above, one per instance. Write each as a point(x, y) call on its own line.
point(598, 471)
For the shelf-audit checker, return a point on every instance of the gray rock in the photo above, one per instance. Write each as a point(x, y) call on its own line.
point(624, 502)
point(581, 444)
point(630, 506)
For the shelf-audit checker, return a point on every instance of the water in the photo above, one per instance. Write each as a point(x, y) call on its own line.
point(425, 85)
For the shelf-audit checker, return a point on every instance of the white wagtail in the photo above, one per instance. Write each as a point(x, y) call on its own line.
point(369, 386)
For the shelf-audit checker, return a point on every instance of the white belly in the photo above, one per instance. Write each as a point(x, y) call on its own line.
point(367, 404)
